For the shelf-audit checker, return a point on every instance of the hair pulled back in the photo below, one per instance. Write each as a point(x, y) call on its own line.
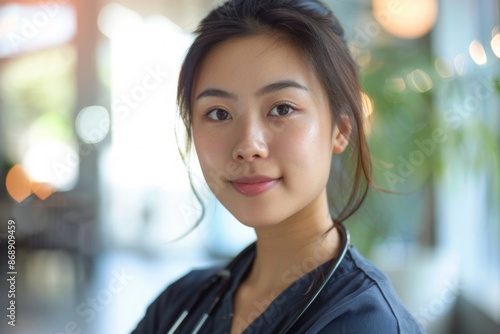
point(311, 27)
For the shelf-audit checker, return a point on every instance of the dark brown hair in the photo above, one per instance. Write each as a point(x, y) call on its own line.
point(311, 27)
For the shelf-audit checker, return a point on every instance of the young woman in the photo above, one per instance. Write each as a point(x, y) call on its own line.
point(269, 95)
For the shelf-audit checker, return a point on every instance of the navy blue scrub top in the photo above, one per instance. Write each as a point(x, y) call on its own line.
point(358, 299)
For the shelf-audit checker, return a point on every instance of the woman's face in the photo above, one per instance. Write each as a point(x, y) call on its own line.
point(262, 130)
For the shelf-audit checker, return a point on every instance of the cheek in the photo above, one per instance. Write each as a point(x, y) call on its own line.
point(203, 147)
point(211, 151)
point(306, 143)
point(306, 154)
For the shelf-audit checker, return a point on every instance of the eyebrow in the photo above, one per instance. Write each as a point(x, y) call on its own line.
point(279, 85)
point(275, 86)
point(214, 92)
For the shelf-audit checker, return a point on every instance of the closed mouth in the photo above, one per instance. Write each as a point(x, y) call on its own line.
point(253, 186)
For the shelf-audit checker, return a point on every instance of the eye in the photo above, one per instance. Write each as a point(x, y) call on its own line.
point(282, 109)
point(218, 115)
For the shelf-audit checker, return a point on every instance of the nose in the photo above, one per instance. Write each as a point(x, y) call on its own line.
point(252, 142)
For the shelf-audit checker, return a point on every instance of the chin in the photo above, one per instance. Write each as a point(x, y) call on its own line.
point(258, 221)
point(257, 211)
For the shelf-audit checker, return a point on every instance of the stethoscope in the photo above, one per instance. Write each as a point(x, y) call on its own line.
point(224, 276)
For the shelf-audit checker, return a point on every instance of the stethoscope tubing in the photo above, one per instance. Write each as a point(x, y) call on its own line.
point(225, 274)
point(346, 238)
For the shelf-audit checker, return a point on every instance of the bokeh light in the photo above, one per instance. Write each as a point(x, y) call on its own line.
point(419, 81)
point(42, 190)
point(444, 67)
point(92, 124)
point(461, 64)
point(368, 110)
point(396, 85)
point(477, 53)
point(495, 44)
point(52, 162)
point(406, 18)
point(116, 20)
point(367, 104)
point(18, 183)
point(33, 27)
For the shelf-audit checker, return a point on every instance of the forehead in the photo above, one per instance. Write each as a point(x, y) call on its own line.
point(250, 62)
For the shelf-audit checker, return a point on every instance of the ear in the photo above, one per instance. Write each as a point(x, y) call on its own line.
point(340, 141)
point(340, 138)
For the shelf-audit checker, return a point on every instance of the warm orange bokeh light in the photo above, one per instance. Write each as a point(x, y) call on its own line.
point(406, 18)
point(18, 184)
point(42, 190)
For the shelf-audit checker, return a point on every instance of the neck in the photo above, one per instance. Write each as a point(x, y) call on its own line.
point(292, 248)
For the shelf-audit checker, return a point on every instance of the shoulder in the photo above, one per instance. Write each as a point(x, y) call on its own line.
point(167, 305)
point(366, 303)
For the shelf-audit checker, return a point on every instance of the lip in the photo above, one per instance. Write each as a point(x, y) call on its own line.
point(254, 185)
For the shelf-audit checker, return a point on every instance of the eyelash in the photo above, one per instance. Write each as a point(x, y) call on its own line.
point(207, 114)
point(287, 104)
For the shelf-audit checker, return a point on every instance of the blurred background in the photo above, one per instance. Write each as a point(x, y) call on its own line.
point(93, 182)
